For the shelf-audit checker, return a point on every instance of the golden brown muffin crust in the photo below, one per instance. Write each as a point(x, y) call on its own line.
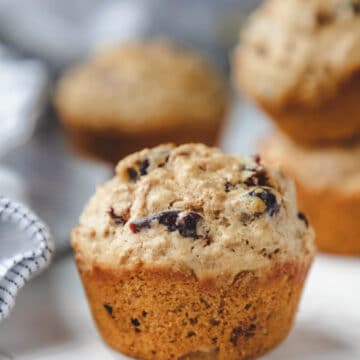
point(158, 314)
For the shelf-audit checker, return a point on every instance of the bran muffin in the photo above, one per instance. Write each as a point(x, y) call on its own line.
point(136, 95)
point(188, 253)
point(300, 61)
point(328, 188)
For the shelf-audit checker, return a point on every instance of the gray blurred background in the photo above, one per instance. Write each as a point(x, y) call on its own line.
point(60, 32)
point(38, 40)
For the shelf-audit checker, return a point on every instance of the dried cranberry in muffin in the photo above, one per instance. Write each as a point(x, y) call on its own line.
point(258, 178)
point(269, 199)
point(182, 221)
point(119, 219)
point(144, 165)
point(303, 218)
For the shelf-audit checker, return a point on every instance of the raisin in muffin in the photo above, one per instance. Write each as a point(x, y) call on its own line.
point(190, 253)
point(328, 188)
point(300, 61)
point(135, 95)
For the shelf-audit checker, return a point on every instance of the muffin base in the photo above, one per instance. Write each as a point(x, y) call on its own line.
point(112, 145)
point(150, 313)
point(335, 217)
point(331, 122)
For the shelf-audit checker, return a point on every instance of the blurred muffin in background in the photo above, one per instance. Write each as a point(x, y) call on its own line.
point(328, 188)
point(137, 95)
point(300, 61)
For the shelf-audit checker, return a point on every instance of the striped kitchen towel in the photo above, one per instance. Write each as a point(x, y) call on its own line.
point(26, 248)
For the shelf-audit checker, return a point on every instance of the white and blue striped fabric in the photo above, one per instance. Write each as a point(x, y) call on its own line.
point(26, 248)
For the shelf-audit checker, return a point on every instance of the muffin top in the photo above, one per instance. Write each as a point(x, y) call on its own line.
point(299, 51)
point(318, 168)
point(194, 209)
point(142, 87)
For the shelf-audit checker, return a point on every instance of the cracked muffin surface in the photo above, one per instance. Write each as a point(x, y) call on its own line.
point(193, 209)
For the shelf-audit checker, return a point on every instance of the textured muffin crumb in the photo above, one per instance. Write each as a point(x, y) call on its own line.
point(298, 51)
point(194, 209)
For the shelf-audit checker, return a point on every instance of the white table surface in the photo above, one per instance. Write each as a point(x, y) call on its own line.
point(51, 320)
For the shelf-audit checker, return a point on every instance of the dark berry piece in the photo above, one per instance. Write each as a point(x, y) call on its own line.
point(143, 167)
point(303, 217)
point(228, 186)
point(162, 158)
point(191, 334)
point(165, 161)
point(144, 313)
point(168, 219)
point(187, 224)
point(257, 159)
point(133, 174)
point(139, 170)
point(174, 220)
point(135, 322)
point(259, 178)
point(118, 219)
point(140, 224)
point(269, 199)
point(134, 228)
point(108, 308)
